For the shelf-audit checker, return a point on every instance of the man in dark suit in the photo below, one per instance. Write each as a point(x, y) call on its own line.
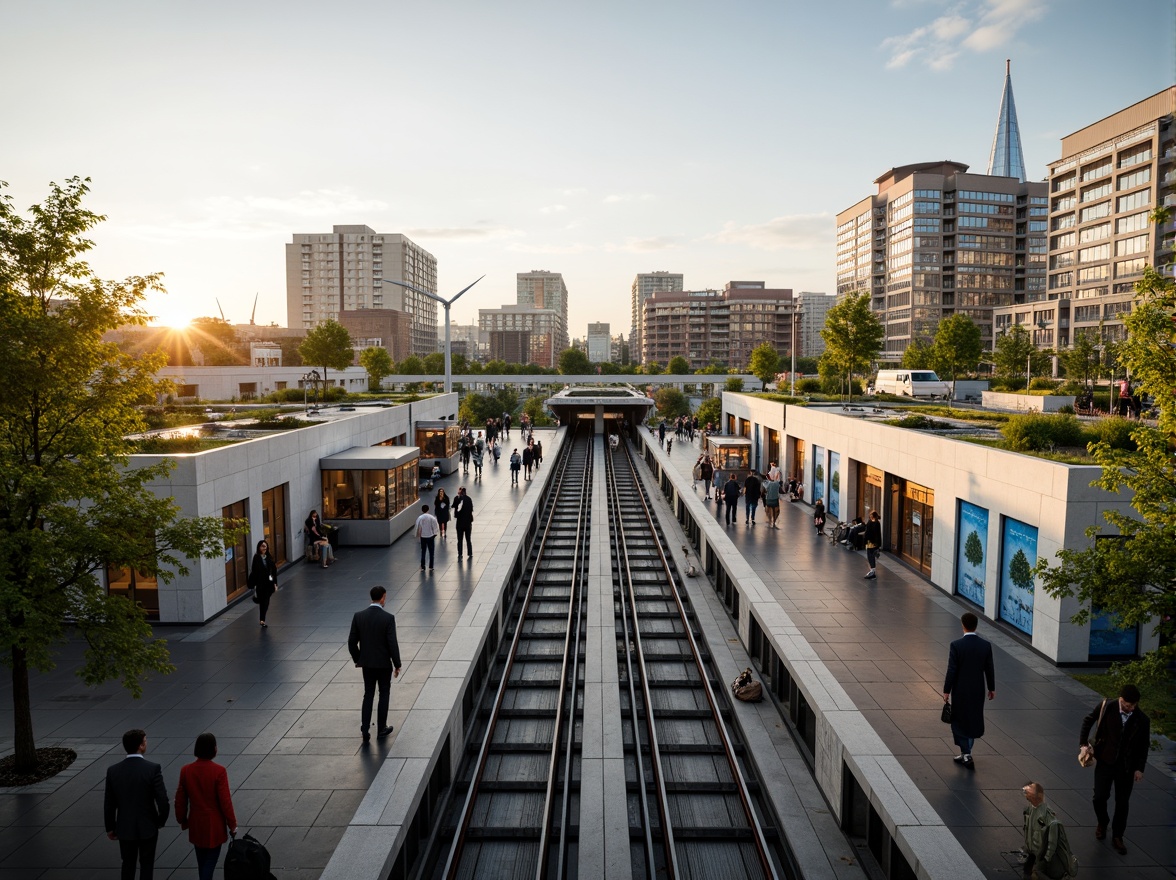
point(1121, 739)
point(969, 668)
point(373, 647)
point(463, 517)
point(135, 807)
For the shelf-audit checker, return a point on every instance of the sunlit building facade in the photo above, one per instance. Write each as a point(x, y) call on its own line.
point(645, 285)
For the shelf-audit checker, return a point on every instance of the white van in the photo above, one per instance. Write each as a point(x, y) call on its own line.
point(910, 383)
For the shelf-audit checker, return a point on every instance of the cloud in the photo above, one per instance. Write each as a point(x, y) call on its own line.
point(467, 233)
point(574, 248)
point(627, 197)
point(553, 209)
point(975, 26)
point(795, 232)
point(645, 245)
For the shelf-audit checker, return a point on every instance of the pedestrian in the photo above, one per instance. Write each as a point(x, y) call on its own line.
point(436, 474)
point(506, 425)
point(374, 649)
point(1046, 846)
point(819, 516)
point(427, 529)
point(774, 473)
point(466, 451)
point(669, 445)
point(696, 472)
point(731, 499)
point(538, 454)
point(1118, 733)
point(751, 497)
point(263, 578)
point(316, 536)
point(135, 806)
point(706, 473)
point(516, 462)
point(204, 807)
point(772, 502)
point(661, 433)
point(441, 511)
point(969, 669)
point(463, 516)
point(478, 454)
point(497, 451)
point(873, 543)
point(528, 460)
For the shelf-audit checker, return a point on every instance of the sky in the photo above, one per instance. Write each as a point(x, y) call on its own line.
point(597, 139)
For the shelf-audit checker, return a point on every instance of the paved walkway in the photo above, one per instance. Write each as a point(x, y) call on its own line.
point(283, 702)
point(887, 640)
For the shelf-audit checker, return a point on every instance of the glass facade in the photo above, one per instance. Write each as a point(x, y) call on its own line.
point(369, 494)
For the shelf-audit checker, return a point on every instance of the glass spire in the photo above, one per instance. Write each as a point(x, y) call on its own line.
point(1006, 158)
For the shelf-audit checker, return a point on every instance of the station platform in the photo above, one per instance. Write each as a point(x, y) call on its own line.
point(886, 643)
point(283, 702)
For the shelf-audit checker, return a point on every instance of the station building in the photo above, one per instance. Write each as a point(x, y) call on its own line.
point(972, 519)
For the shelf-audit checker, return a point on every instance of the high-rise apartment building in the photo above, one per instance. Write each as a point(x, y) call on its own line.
point(706, 326)
point(328, 274)
point(599, 343)
point(524, 334)
point(645, 285)
point(811, 311)
point(466, 338)
point(1111, 176)
point(935, 241)
point(541, 289)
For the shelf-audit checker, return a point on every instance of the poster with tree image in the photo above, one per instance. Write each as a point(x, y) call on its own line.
point(818, 492)
point(971, 555)
point(1018, 556)
point(834, 502)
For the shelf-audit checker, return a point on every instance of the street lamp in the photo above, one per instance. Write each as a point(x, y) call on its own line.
point(447, 303)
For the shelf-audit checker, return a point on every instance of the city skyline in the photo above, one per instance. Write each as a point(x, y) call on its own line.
point(658, 137)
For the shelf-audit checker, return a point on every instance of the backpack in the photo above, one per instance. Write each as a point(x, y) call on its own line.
point(1064, 863)
point(247, 859)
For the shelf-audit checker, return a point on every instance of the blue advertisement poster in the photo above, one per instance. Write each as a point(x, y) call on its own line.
point(1107, 639)
point(834, 503)
point(1018, 555)
point(972, 552)
point(818, 492)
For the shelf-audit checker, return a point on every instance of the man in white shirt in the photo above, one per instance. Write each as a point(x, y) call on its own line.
point(427, 529)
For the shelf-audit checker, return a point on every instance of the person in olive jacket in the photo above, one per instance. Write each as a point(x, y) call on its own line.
point(1120, 741)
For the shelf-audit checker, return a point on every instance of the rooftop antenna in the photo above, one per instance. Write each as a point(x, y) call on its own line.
point(254, 312)
point(219, 309)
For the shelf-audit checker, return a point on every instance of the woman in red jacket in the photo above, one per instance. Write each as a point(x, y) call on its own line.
point(203, 806)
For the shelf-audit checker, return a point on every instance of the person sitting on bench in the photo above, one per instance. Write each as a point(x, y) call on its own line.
point(316, 539)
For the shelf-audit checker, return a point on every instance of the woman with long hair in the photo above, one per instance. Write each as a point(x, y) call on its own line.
point(204, 807)
point(263, 578)
point(441, 511)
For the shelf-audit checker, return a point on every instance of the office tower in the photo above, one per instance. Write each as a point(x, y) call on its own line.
point(645, 285)
point(524, 334)
point(599, 344)
point(1006, 159)
point(1112, 174)
point(935, 240)
point(341, 271)
point(811, 311)
point(465, 338)
point(541, 289)
point(706, 326)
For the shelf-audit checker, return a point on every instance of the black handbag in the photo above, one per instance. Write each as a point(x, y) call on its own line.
point(945, 713)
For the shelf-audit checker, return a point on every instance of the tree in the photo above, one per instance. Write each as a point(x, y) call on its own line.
point(678, 366)
point(434, 363)
point(973, 549)
point(536, 409)
point(476, 408)
point(1015, 351)
point(714, 368)
point(1080, 360)
point(957, 348)
point(853, 337)
point(806, 365)
point(573, 362)
point(671, 402)
point(733, 383)
point(764, 363)
point(917, 355)
point(217, 341)
point(411, 366)
point(710, 410)
point(328, 345)
point(378, 364)
point(1133, 576)
point(69, 504)
point(652, 368)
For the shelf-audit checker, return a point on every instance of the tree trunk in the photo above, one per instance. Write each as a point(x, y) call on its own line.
point(26, 747)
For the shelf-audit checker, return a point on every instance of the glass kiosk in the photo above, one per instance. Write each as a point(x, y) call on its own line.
point(370, 493)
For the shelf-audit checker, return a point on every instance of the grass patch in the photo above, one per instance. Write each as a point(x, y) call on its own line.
point(1157, 700)
point(965, 415)
point(176, 445)
point(781, 398)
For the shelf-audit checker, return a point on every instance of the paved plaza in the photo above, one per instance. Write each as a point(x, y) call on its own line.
point(284, 704)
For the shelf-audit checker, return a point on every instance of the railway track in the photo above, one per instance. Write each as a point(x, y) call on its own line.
point(694, 807)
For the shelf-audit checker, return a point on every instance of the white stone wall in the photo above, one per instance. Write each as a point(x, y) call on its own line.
point(1056, 498)
point(203, 483)
point(224, 383)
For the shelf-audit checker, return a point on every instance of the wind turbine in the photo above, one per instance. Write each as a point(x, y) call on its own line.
point(447, 303)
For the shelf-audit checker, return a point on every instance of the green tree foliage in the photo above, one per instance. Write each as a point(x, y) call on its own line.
point(678, 366)
point(536, 410)
point(957, 348)
point(671, 403)
point(69, 505)
point(653, 368)
point(328, 346)
point(764, 363)
point(1081, 360)
point(853, 337)
point(805, 365)
point(476, 408)
point(378, 364)
point(217, 341)
point(734, 383)
point(714, 368)
point(1015, 350)
point(973, 549)
point(710, 410)
point(573, 362)
point(411, 366)
point(434, 363)
point(1134, 577)
point(917, 355)
point(494, 368)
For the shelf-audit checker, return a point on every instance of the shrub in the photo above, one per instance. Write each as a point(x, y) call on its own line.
point(917, 422)
point(1116, 433)
point(1071, 387)
point(809, 386)
point(1032, 432)
point(1041, 383)
point(1066, 410)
